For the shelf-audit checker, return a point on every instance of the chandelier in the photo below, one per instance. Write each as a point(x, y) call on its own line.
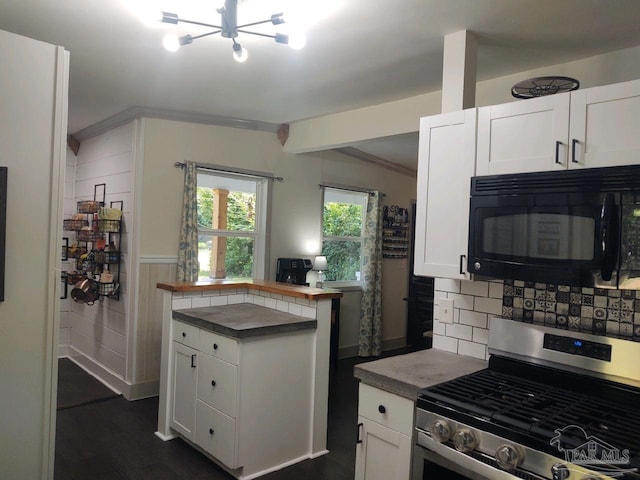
point(229, 28)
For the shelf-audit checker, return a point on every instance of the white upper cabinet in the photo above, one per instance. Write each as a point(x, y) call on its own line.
point(446, 163)
point(594, 127)
point(603, 130)
point(524, 136)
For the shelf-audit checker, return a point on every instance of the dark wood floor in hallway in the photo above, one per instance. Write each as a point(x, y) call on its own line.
point(114, 440)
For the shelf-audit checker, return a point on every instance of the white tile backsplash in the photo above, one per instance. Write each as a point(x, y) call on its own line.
point(474, 303)
point(478, 289)
point(200, 302)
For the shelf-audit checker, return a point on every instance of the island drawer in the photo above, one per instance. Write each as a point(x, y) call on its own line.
point(218, 384)
point(185, 334)
point(216, 434)
point(219, 346)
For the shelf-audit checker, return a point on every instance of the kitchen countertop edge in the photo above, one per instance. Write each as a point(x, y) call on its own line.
point(298, 291)
point(405, 374)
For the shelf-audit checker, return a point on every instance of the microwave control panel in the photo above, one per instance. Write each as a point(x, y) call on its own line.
point(577, 346)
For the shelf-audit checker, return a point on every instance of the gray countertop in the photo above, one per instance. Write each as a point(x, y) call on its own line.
point(405, 374)
point(244, 320)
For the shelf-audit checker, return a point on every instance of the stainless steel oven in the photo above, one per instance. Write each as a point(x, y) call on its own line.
point(552, 405)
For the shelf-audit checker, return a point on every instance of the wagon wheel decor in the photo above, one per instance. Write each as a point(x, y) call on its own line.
point(542, 86)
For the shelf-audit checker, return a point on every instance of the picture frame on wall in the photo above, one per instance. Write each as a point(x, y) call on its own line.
point(3, 226)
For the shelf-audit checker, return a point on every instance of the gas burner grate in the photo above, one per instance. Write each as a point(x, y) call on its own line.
point(541, 410)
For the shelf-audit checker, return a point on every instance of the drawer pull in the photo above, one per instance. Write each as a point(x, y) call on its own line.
point(211, 431)
point(382, 409)
point(213, 383)
point(193, 361)
point(358, 439)
point(215, 346)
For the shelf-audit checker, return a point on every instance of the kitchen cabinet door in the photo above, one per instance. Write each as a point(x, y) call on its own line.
point(183, 389)
point(524, 136)
point(383, 453)
point(604, 126)
point(446, 163)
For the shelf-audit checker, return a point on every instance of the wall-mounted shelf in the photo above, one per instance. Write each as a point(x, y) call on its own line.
point(395, 232)
point(97, 244)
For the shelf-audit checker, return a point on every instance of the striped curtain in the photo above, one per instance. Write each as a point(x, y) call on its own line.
point(370, 341)
point(188, 266)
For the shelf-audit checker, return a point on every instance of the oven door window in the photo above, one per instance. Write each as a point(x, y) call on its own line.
point(537, 235)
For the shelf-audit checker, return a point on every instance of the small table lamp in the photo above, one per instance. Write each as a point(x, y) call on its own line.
point(320, 264)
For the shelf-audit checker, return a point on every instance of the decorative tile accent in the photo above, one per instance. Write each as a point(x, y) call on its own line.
point(590, 310)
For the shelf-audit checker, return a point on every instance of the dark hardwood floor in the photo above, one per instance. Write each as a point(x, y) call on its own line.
point(114, 439)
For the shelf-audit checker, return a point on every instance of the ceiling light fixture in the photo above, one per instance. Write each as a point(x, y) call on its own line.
point(229, 28)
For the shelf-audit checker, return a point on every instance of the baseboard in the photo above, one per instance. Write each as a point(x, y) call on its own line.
point(63, 351)
point(130, 391)
point(351, 351)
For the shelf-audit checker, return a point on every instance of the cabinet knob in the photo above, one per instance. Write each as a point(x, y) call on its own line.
point(184, 334)
point(215, 346)
point(213, 383)
point(211, 431)
point(382, 409)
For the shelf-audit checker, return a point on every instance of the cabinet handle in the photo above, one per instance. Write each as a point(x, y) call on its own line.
point(211, 431)
point(382, 409)
point(358, 439)
point(213, 383)
point(462, 259)
point(574, 144)
point(215, 346)
point(558, 143)
point(193, 361)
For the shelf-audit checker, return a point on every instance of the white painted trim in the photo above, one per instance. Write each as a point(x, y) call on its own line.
point(277, 467)
point(157, 259)
point(107, 377)
point(134, 113)
point(165, 438)
point(52, 321)
point(319, 454)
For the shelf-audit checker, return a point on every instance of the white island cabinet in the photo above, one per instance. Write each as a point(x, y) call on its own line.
point(245, 384)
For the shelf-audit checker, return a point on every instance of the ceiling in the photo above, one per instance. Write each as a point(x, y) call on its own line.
point(359, 53)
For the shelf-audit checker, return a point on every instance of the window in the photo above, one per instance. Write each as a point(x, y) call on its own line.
point(231, 226)
point(342, 230)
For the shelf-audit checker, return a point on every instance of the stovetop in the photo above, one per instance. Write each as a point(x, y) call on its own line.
point(542, 408)
point(545, 408)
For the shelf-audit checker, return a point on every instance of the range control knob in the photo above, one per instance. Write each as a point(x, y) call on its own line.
point(560, 472)
point(509, 457)
point(477, 265)
point(441, 431)
point(464, 440)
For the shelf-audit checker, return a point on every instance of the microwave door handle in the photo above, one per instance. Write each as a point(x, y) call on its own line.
point(608, 236)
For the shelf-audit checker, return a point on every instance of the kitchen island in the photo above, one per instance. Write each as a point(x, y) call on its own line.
point(245, 371)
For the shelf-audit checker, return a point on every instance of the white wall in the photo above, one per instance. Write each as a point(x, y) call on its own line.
point(33, 118)
point(296, 207)
point(99, 332)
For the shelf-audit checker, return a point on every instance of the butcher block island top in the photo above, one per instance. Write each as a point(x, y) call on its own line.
point(243, 320)
point(297, 291)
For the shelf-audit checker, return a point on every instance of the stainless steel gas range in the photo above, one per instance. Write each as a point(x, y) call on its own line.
point(553, 404)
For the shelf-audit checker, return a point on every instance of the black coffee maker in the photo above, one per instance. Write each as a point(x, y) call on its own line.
point(293, 270)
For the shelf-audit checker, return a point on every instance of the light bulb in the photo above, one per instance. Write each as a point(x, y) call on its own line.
point(171, 42)
point(240, 54)
point(297, 40)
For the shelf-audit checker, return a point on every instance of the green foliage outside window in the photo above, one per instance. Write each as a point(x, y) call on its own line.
point(340, 220)
point(240, 218)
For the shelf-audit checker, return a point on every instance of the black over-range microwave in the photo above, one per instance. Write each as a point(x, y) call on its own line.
point(573, 227)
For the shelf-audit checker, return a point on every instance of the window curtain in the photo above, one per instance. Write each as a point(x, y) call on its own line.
point(188, 267)
point(370, 342)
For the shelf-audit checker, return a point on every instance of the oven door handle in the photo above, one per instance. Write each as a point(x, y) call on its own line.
point(609, 234)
